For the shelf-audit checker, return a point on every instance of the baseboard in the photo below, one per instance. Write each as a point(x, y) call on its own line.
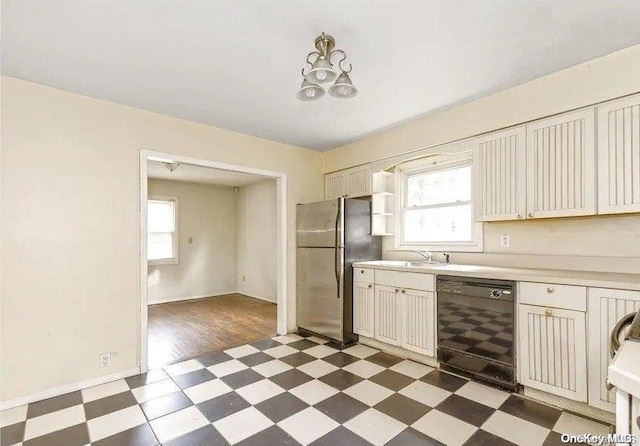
point(573, 406)
point(257, 297)
point(178, 299)
point(50, 393)
point(398, 351)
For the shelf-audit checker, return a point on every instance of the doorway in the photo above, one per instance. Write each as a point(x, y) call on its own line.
point(182, 318)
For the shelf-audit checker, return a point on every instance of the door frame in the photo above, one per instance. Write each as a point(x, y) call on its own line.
point(281, 238)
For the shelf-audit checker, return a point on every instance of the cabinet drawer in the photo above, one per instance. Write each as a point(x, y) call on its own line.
point(363, 275)
point(554, 295)
point(400, 279)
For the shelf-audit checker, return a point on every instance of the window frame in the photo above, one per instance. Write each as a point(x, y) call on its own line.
point(435, 163)
point(173, 260)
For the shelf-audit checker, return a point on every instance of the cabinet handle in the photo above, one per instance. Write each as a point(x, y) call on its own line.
point(549, 290)
point(531, 215)
point(370, 286)
point(361, 271)
point(548, 312)
point(519, 215)
point(404, 291)
point(397, 290)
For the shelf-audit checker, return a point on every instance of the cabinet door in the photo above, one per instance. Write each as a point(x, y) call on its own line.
point(358, 181)
point(418, 321)
point(334, 185)
point(561, 165)
point(388, 309)
point(553, 354)
point(619, 156)
point(606, 308)
point(363, 304)
point(500, 176)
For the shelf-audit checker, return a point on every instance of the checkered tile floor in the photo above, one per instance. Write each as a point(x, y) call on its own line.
point(291, 390)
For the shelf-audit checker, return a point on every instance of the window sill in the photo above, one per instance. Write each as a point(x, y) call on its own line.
point(163, 262)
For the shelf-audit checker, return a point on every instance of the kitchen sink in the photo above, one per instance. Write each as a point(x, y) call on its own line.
point(424, 263)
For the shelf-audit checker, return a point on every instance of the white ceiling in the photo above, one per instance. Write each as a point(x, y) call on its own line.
point(197, 174)
point(236, 64)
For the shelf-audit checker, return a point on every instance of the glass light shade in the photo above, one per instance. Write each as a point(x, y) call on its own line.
point(321, 72)
point(343, 87)
point(309, 91)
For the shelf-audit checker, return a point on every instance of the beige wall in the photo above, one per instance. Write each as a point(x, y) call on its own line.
point(597, 243)
point(604, 243)
point(257, 240)
point(207, 266)
point(70, 226)
point(611, 76)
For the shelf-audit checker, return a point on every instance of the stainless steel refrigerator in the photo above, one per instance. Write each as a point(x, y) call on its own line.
point(331, 236)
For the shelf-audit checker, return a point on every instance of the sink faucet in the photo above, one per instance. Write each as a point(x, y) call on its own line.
point(426, 254)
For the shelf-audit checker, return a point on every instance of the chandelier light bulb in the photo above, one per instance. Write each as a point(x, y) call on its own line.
point(321, 75)
point(343, 87)
point(310, 93)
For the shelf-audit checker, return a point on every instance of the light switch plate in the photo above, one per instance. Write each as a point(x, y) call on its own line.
point(504, 241)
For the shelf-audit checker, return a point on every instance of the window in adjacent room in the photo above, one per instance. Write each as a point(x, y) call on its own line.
point(162, 231)
point(436, 205)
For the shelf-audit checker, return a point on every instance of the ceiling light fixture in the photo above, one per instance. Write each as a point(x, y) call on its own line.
point(322, 71)
point(171, 166)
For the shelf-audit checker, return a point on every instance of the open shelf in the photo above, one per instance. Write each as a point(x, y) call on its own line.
point(382, 203)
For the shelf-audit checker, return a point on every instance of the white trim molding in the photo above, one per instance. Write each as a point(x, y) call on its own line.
point(196, 297)
point(281, 238)
point(462, 157)
point(57, 391)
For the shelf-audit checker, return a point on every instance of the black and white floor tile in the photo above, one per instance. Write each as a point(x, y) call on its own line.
point(291, 390)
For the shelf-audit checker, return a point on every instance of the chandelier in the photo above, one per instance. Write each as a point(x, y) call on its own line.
point(322, 71)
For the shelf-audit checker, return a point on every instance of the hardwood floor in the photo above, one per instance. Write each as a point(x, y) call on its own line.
point(181, 330)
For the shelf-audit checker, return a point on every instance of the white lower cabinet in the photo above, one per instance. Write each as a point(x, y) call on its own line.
point(606, 308)
point(388, 311)
point(363, 309)
point(553, 355)
point(418, 320)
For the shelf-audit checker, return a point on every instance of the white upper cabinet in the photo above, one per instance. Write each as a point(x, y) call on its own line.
point(500, 175)
point(561, 165)
point(334, 185)
point(619, 156)
point(354, 182)
point(358, 181)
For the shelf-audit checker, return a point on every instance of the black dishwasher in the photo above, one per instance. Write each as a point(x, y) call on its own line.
point(476, 328)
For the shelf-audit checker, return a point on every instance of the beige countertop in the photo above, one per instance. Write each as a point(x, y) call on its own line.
point(583, 278)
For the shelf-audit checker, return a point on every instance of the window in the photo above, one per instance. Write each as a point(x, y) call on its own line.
point(162, 234)
point(436, 206)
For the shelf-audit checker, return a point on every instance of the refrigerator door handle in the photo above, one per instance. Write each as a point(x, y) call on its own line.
point(337, 248)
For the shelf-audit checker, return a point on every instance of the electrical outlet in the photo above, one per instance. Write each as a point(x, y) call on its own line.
point(504, 241)
point(243, 278)
point(190, 240)
point(105, 360)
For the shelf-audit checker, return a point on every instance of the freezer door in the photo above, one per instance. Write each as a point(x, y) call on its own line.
point(319, 293)
point(318, 223)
